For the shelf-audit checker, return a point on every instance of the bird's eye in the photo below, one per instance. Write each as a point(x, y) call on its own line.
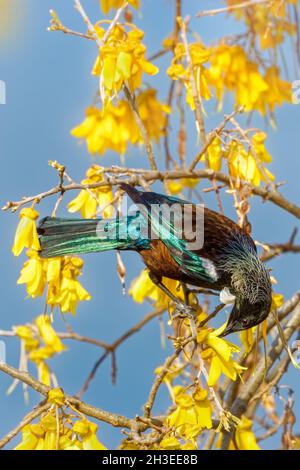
point(245, 321)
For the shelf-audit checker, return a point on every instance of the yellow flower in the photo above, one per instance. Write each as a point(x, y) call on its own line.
point(277, 300)
point(87, 430)
point(121, 60)
point(244, 165)
point(177, 186)
point(44, 373)
point(56, 431)
point(170, 443)
point(247, 339)
point(87, 202)
point(107, 5)
point(114, 127)
point(84, 203)
point(193, 413)
point(48, 334)
point(220, 352)
point(143, 288)
point(178, 71)
point(29, 439)
point(172, 373)
point(278, 92)
point(26, 234)
point(109, 129)
point(269, 22)
point(33, 274)
point(228, 68)
point(56, 396)
point(67, 291)
point(26, 334)
point(153, 113)
point(258, 141)
point(64, 289)
point(40, 343)
point(214, 154)
point(244, 436)
point(49, 424)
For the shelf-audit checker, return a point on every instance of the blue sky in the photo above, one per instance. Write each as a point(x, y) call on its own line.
point(48, 87)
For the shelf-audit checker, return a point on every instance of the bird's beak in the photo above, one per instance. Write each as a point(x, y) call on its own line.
point(231, 322)
point(229, 329)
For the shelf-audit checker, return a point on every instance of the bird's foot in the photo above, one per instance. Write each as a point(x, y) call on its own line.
point(183, 311)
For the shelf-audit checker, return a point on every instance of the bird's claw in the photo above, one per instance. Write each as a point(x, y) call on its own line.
point(183, 311)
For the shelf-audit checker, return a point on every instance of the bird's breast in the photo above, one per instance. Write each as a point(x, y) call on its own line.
point(159, 261)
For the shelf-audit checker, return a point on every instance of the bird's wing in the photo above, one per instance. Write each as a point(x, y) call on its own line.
point(167, 226)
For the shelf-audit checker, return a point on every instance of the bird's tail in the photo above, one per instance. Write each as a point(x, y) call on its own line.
point(59, 237)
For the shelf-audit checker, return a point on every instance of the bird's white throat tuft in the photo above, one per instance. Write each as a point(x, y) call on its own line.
point(226, 297)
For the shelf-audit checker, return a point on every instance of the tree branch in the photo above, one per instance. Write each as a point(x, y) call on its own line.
point(230, 8)
point(85, 408)
point(133, 174)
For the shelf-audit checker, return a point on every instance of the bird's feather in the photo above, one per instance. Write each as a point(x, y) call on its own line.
point(60, 236)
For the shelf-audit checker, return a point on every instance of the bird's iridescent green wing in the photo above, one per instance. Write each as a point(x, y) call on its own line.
point(165, 226)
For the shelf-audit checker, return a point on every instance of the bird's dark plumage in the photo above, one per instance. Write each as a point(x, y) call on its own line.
point(227, 260)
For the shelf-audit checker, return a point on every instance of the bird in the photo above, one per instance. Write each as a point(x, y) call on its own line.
point(225, 260)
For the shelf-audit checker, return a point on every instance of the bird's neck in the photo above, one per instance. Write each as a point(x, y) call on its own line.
point(248, 277)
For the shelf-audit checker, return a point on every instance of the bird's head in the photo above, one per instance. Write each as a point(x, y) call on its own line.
point(252, 293)
point(245, 315)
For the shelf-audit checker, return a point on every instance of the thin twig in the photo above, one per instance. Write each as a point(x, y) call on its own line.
point(131, 100)
point(196, 97)
point(230, 8)
point(112, 348)
point(212, 135)
point(160, 377)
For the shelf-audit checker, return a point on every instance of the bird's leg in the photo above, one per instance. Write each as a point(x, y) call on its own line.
point(183, 310)
point(203, 291)
point(186, 292)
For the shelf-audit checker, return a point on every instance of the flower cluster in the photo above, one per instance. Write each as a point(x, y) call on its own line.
point(246, 164)
point(199, 55)
point(59, 430)
point(229, 69)
point(60, 275)
point(121, 60)
point(143, 288)
point(114, 126)
point(269, 22)
point(192, 414)
point(95, 200)
point(219, 352)
point(40, 343)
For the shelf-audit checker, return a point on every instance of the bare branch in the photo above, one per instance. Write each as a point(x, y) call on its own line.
point(110, 349)
point(85, 408)
point(230, 8)
point(265, 193)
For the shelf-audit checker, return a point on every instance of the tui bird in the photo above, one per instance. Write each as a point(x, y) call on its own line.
point(227, 261)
